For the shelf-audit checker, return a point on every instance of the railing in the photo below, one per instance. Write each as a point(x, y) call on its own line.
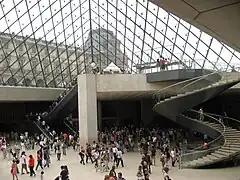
point(228, 124)
point(44, 131)
point(173, 90)
point(200, 153)
point(64, 94)
point(212, 78)
point(228, 118)
point(66, 123)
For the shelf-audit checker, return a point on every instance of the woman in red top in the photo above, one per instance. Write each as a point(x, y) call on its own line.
point(31, 165)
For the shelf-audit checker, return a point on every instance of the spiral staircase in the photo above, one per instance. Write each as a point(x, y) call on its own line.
point(175, 103)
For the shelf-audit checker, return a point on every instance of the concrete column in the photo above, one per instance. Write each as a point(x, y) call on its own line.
point(147, 114)
point(87, 108)
point(99, 115)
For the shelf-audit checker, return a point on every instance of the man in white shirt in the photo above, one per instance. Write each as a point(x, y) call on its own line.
point(23, 162)
point(21, 137)
point(43, 123)
point(114, 150)
point(96, 157)
point(119, 157)
point(26, 134)
point(23, 147)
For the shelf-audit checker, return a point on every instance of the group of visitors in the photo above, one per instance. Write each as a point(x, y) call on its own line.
point(106, 155)
point(147, 141)
point(22, 163)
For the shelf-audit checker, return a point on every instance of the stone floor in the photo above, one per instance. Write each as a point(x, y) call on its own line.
point(78, 171)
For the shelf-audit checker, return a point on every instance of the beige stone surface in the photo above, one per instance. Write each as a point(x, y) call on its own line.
point(81, 172)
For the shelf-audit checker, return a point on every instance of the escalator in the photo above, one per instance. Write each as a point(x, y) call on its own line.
point(71, 128)
point(175, 106)
point(64, 107)
point(43, 130)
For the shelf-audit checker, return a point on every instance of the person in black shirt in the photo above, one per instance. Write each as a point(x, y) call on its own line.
point(147, 159)
point(112, 172)
point(88, 153)
point(64, 173)
point(82, 154)
point(153, 155)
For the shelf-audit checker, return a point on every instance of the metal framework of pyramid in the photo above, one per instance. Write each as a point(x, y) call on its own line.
point(48, 43)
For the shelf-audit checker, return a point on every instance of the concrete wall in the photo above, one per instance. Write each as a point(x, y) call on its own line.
point(176, 75)
point(15, 93)
point(126, 82)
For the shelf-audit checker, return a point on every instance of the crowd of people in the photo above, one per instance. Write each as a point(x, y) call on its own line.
point(106, 154)
point(28, 164)
point(148, 142)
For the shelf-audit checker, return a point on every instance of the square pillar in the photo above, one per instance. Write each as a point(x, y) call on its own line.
point(87, 108)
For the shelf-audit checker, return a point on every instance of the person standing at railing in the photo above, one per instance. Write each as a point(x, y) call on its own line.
point(205, 145)
point(201, 115)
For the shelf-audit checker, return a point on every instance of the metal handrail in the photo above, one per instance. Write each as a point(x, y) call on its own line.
point(66, 123)
point(213, 141)
point(195, 79)
point(55, 107)
point(225, 117)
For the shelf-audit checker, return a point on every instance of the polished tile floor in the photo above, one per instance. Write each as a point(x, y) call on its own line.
point(132, 160)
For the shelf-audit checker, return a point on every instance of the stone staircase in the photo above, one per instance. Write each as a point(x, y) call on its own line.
point(229, 148)
point(218, 83)
point(189, 96)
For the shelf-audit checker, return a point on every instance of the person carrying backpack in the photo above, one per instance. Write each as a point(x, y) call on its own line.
point(165, 173)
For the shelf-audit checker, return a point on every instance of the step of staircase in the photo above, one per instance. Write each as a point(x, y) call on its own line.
point(212, 157)
point(228, 151)
point(218, 155)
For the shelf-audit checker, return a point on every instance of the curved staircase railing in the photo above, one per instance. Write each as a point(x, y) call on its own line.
point(199, 152)
point(173, 102)
point(236, 121)
point(185, 86)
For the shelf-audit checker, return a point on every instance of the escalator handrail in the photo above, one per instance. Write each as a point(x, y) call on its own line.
point(41, 129)
point(203, 77)
point(182, 82)
point(56, 106)
point(222, 135)
point(70, 128)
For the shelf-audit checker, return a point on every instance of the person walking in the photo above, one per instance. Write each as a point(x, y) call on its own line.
point(58, 153)
point(165, 173)
point(31, 165)
point(39, 160)
point(82, 154)
point(14, 170)
point(119, 155)
point(23, 161)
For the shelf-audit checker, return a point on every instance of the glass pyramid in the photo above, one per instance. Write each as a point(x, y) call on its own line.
point(47, 43)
